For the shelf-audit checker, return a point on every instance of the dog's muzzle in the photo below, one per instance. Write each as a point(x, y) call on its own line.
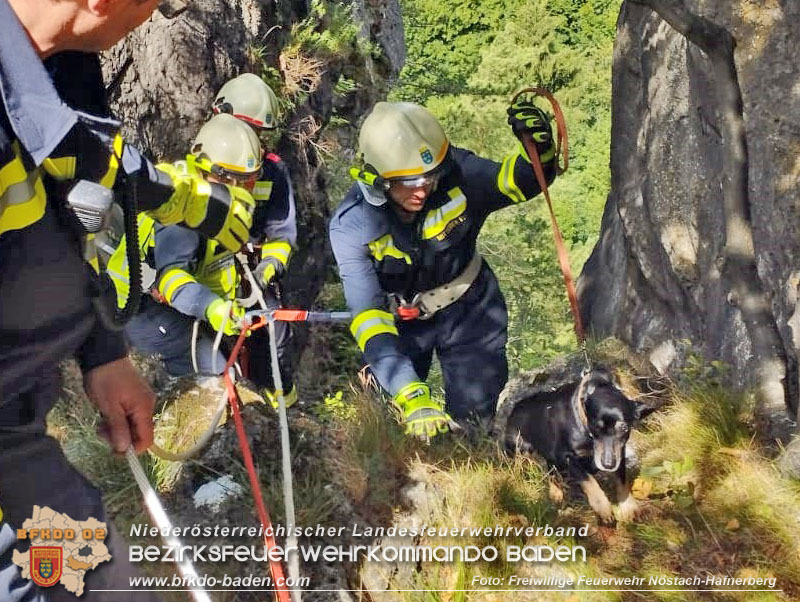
point(608, 453)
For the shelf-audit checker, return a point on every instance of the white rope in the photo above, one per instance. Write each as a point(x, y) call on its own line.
point(286, 458)
point(159, 516)
point(218, 338)
point(195, 332)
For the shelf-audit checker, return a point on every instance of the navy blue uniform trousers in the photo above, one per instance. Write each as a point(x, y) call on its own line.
point(469, 338)
point(162, 330)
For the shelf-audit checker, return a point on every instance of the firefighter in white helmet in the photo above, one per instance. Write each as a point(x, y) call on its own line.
point(274, 232)
point(196, 277)
point(404, 238)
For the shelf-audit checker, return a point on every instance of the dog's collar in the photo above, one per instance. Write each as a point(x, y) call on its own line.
point(579, 404)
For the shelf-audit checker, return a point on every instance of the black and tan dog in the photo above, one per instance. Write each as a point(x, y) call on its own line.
point(581, 427)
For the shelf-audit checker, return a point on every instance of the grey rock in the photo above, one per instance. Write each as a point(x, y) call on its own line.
point(789, 462)
point(657, 273)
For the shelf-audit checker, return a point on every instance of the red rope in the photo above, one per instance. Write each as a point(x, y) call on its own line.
point(561, 149)
point(276, 568)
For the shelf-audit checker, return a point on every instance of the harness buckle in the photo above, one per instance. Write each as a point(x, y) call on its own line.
point(406, 310)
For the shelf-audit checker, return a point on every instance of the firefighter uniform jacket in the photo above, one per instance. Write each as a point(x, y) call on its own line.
point(46, 314)
point(192, 270)
point(274, 220)
point(377, 254)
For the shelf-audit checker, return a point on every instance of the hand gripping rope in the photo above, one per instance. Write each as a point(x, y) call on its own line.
point(562, 148)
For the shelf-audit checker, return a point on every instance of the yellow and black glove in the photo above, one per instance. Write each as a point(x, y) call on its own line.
point(289, 398)
point(524, 117)
point(423, 416)
point(266, 271)
point(218, 310)
point(274, 257)
point(222, 212)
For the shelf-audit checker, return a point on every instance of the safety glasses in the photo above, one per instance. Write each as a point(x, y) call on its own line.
point(237, 179)
point(424, 181)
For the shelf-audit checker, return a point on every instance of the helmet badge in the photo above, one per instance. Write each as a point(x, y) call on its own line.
point(426, 154)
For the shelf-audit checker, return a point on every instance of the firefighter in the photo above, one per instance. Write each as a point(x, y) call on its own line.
point(404, 238)
point(49, 141)
point(274, 230)
point(195, 277)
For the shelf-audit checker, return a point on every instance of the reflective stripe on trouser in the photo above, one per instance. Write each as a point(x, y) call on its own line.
point(469, 338)
point(158, 328)
point(34, 471)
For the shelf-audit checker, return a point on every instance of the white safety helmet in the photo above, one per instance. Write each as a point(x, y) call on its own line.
point(248, 98)
point(399, 142)
point(226, 147)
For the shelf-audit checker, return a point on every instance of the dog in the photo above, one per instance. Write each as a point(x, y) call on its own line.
point(581, 428)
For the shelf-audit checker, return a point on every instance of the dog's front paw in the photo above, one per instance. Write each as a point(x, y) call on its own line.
point(628, 509)
point(606, 516)
point(598, 500)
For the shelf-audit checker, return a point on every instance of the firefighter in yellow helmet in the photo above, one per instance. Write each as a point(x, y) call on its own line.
point(404, 238)
point(274, 232)
point(195, 277)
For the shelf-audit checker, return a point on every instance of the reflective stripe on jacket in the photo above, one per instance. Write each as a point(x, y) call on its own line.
point(117, 267)
point(192, 271)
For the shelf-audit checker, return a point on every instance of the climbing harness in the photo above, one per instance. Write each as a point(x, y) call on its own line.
point(425, 304)
point(562, 149)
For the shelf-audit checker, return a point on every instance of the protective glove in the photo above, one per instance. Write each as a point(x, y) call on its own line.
point(267, 271)
point(222, 212)
point(289, 398)
point(423, 416)
point(216, 312)
point(524, 117)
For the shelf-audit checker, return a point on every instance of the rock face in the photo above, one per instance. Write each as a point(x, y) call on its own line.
point(163, 77)
point(657, 275)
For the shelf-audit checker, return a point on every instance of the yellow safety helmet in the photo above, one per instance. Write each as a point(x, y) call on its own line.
point(226, 147)
point(399, 141)
point(248, 98)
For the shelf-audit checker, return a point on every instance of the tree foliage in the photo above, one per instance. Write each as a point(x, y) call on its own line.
point(465, 61)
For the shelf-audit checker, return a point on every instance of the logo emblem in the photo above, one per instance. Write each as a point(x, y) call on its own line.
point(426, 154)
point(46, 565)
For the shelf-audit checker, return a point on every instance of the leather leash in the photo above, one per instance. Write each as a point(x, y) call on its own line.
point(562, 149)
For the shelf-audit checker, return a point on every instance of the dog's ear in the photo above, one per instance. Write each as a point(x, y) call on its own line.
point(642, 410)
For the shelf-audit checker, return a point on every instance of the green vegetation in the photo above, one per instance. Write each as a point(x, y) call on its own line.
point(465, 61)
point(711, 500)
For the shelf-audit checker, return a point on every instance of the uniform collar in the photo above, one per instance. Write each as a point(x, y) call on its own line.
point(376, 221)
point(38, 116)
